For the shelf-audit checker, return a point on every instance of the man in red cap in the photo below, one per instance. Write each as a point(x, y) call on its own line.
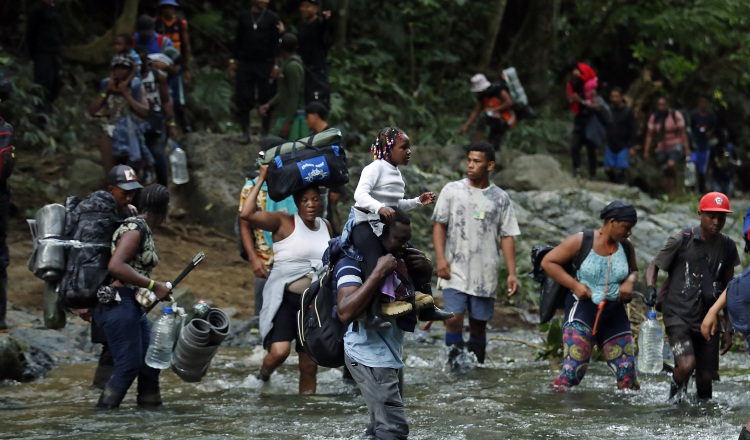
point(700, 262)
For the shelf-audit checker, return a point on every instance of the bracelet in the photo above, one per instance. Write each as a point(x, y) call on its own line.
point(151, 285)
point(103, 95)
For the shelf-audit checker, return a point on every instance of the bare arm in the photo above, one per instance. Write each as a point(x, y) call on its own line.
point(651, 273)
point(439, 231)
point(647, 144)
point(267, 221)
point(472, 117)
point(508, 245)
point(507, 101)
point(352, 300)
point(555, 260)
point(248, 242)
point(120, 269)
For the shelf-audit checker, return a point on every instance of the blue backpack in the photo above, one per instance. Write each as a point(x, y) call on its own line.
point(738, 301)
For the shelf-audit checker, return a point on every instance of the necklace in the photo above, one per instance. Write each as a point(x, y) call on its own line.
point(255, 22)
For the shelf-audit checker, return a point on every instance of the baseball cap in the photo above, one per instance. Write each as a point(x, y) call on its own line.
point(123, 177)
point(169, 3)
point(714, 202)
point(122, 60)
point(479, 83)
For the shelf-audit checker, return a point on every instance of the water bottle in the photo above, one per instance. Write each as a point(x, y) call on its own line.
point(163, 334)
point(178, 162)
point(690, 177)
point(650, 345)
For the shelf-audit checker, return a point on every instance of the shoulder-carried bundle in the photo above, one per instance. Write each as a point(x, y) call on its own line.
point(316, 160)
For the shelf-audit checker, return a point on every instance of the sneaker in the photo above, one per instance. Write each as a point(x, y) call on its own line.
point(395, 309)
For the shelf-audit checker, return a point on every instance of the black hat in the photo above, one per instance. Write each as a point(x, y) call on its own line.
point(315, 2)
point(123, 177)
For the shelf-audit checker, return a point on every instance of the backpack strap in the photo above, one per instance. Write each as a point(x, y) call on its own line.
point(160, 41)
point(587, 243)
point(627, 246)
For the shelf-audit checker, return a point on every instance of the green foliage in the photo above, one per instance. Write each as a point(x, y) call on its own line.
point(209, 100)
point(58, 131)
point(553, 340)
point(543, 135)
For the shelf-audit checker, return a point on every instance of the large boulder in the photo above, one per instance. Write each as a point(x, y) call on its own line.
point(533, 172)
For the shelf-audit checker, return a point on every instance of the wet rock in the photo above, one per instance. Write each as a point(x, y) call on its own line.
point(11, 358)
point(533, 172)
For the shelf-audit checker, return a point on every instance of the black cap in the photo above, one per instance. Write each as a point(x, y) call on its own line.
point(315, 2)
point(123, 177)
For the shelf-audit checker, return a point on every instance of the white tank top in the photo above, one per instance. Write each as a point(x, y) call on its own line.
point(303, 243)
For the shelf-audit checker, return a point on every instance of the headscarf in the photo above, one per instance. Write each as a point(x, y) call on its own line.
point(620, 211)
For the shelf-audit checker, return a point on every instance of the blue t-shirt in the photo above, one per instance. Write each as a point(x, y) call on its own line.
point(375, 349)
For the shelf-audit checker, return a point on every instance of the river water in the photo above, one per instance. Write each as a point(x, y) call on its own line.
point(509, 397)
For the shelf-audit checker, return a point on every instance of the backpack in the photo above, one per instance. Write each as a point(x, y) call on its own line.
point(709, 298)
point(150, 50)
point(318, 327)
point(7, 151)
point(90, 224)
point(552, 295)
point(738, 301)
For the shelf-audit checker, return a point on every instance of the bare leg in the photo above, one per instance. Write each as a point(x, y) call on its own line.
point(308, 371)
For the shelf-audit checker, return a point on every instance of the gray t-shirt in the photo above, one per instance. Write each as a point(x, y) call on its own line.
point(476, 220)
point(683, 304)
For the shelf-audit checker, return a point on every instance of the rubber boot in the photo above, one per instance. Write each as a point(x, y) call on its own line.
point(479, 351)
point(3, 302)
point(149, 394)
point(454, 352)
point(744, 434)
point(677, 392)
point(103, 369)
point(109, 399)
point(374, 321)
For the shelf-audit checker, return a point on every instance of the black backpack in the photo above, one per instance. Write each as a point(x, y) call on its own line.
point(7, 150)
point(551, 294)
point(318, 326)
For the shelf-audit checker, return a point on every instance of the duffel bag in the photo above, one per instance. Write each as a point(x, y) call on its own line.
point(331, 136)
point(303, 167)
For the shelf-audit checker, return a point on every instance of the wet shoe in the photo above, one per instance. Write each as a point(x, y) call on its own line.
point(109, 399)
point(677, 392)
point(377, 323)
point(478, 350)
point(434, 314)
point(455, 352)
point(395, 309)
point(744, 434)
point(262, 376)
point(149, 400)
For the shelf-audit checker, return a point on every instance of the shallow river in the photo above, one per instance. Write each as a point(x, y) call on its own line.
point(509, 397)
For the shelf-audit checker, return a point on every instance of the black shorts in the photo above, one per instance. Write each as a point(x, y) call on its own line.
point(285, 322)
point(687, 342)
point(674, 153)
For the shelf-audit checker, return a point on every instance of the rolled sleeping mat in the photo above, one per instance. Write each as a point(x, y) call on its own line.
point(219, 326)
point(196, 332)
point(191, 363)
point(190, 360)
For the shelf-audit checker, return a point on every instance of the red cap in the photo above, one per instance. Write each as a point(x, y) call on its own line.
point(714, 202)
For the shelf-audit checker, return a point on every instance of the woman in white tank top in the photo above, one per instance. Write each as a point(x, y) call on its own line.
point(299, 241)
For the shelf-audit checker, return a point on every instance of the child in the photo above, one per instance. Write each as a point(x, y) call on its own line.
point(124, 46)
point(380, 189)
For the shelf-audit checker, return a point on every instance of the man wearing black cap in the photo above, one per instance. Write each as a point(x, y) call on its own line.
point(122, 184)
point(700, 262)
point(313, 32)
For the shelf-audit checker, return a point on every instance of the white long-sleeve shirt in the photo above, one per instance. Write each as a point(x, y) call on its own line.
point(381, 184)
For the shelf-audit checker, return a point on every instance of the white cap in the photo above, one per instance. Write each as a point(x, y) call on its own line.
point(479, 83)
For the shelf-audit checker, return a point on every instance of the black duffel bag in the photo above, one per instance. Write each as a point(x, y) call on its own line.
point(305, 163)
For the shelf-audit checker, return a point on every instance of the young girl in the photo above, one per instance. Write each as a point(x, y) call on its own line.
point(380, 189)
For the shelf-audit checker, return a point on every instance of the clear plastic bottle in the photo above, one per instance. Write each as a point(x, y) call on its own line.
point(178, 162)
point(163, 334)
point(690, 174)
point(650, 345)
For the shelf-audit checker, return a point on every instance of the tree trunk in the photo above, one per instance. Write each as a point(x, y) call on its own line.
point(493, 30)
point(99, 51)
point(342, 20)
point(532, 46)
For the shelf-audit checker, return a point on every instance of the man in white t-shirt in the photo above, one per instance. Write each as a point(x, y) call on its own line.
point(474, 220)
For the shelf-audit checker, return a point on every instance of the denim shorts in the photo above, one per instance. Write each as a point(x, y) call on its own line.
point(480, 308)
